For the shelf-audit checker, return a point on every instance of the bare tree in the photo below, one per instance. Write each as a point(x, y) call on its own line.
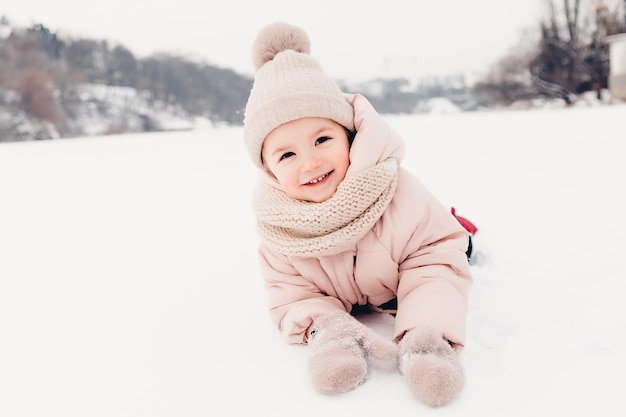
point(572, 55)
point(509, 79)
point(568, 56)
point(38, 98)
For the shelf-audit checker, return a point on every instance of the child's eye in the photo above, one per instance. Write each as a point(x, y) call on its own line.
point(286, 155)
point(321, 140)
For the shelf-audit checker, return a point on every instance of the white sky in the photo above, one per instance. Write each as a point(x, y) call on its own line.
point(353, 39)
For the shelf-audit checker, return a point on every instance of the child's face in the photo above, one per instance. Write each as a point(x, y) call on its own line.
point(308, 157)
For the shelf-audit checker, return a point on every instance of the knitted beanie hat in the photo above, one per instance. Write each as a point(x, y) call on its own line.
point(289, 85)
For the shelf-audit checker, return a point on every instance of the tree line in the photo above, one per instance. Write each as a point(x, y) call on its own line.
point(41, 75)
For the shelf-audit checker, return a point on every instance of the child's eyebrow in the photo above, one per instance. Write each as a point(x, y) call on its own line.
point(279, 150)
point(317, 132)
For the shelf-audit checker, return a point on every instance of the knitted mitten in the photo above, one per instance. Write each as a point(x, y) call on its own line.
point(432, 368)
point(339, 345)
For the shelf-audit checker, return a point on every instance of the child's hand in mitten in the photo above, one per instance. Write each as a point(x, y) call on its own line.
point(339, 346)
point(432, 367)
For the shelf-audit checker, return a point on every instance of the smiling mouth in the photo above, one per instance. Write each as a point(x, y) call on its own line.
point(319, 179)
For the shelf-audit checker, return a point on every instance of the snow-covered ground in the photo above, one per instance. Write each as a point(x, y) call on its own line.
point(129, 283)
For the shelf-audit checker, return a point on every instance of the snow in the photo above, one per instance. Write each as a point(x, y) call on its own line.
point(129, 284)
point(438, 105)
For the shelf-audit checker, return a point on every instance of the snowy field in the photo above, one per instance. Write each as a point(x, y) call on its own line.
point(129, 283)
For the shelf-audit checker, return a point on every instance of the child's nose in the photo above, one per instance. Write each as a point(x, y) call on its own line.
point(312, 162)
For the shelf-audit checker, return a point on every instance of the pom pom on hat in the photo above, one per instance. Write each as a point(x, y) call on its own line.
point(289, 85)
point(277, 38)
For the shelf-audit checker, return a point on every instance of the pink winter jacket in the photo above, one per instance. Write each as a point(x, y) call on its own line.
point(415, 253)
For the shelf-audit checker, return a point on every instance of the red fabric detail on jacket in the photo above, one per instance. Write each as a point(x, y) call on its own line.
point(467, 225)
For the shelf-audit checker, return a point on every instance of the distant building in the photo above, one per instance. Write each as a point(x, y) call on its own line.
point(5, 28)
point(617, 57)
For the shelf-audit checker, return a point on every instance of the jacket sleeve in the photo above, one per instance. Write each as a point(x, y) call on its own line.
point(294, 301)
point(434, 275)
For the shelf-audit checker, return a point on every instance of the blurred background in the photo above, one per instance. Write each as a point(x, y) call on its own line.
point(74, 69)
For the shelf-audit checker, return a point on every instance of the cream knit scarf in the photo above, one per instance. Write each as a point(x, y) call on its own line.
point(302, 228)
